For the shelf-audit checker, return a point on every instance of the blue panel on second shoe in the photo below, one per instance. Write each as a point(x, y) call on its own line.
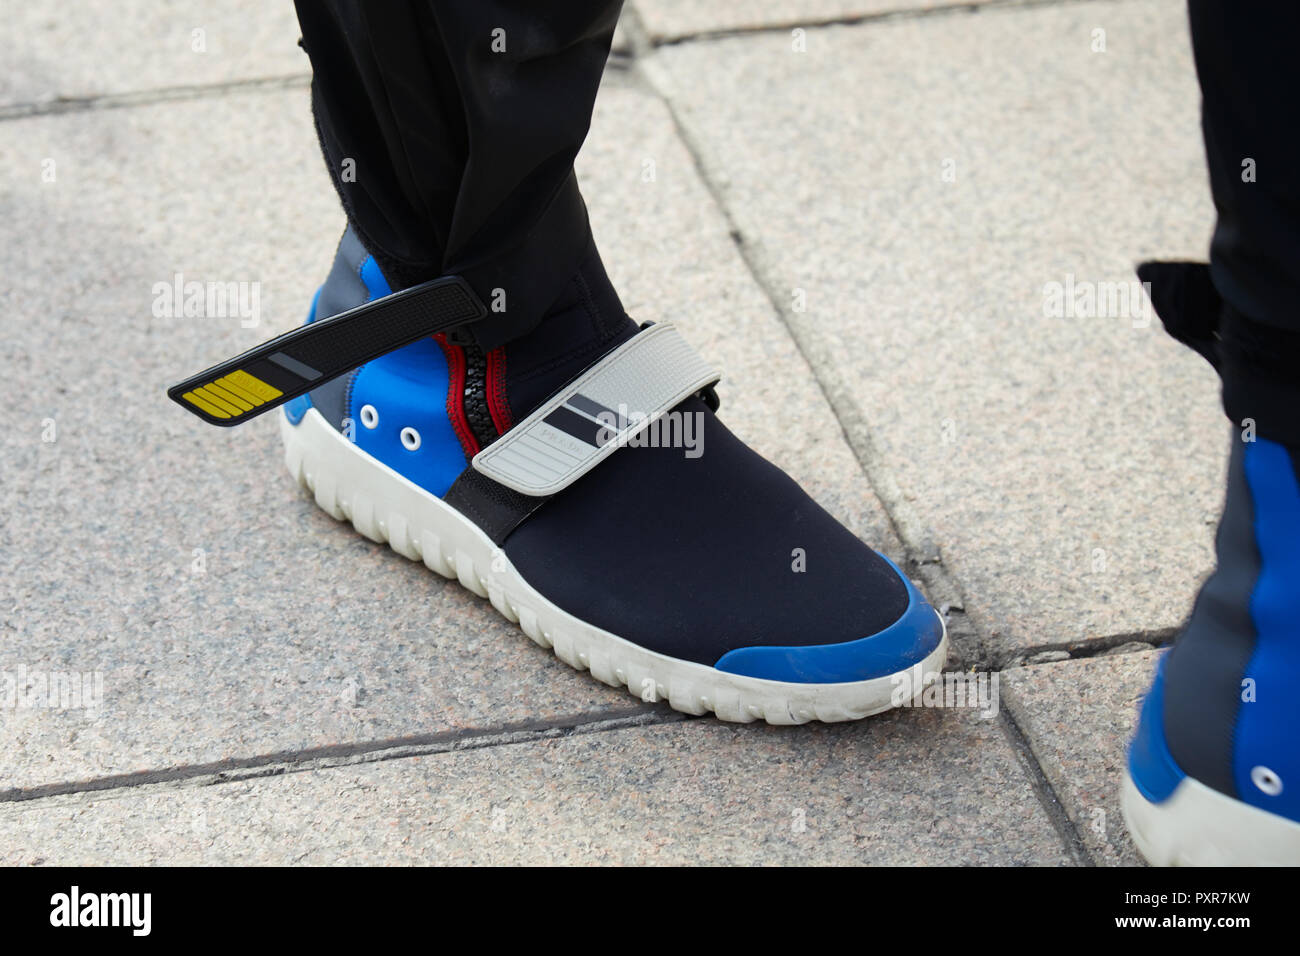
point(408, 389)
point(1150, 764)
point(1265, 732)
point(901, 645)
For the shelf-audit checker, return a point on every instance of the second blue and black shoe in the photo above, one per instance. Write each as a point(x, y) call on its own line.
point(1213, 774)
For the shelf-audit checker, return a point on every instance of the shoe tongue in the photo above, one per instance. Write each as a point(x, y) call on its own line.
point(586, 321)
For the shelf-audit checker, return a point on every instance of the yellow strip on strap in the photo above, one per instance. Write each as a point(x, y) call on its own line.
point(199, 402)
point(233, 388)
point(251, 383)
point(217, 400)
point(229, 396)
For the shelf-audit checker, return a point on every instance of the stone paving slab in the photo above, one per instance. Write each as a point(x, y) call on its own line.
point(238, 40)
point(916, 185)
point(227, 616)
point(675, 19)
point(922, 787)
point(83, 48)
point(1079, 716)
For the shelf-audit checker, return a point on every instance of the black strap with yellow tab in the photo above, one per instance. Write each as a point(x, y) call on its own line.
point(289, 365)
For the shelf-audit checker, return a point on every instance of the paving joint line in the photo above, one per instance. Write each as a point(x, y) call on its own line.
point(939, 11)
point(237, 769)
point(619, 60)
point(1065, 827)
point(1084, 648)
point(163, 94)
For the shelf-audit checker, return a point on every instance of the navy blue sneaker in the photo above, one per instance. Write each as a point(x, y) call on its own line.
point(579, 479)
point(1214, 769)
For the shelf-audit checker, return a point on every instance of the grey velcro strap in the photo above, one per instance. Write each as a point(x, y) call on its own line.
point(595, 414)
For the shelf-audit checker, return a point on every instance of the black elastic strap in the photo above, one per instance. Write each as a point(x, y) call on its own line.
point(496, 509)
point(499, 510)
point(292, 364)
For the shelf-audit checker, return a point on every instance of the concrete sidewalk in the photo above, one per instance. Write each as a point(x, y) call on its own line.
point(874, 193)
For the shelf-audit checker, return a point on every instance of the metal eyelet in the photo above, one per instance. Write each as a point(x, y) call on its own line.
point(410, 438)
point(369, 417)
point(1266, 780)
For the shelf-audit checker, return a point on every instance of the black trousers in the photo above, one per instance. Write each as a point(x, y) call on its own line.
point(1250, 115)
point(450, 129)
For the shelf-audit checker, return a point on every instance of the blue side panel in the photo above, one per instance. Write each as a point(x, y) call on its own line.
point(315, 300)
point(1150, 763)
point(407, 389)
point(296, 408)
point(905, 642)
point(374, 279)
point(1268, 725)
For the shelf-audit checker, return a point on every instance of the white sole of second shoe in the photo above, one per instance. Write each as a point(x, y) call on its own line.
point(1199, 826)
point(350, 485)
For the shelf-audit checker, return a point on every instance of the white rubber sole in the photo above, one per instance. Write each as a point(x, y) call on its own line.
point(350, 485)
point(1199, 826)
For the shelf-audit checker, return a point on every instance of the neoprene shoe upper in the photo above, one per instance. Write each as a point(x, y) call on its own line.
point(715, 557)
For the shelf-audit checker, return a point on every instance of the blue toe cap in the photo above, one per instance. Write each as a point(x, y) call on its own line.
point(903, 644)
